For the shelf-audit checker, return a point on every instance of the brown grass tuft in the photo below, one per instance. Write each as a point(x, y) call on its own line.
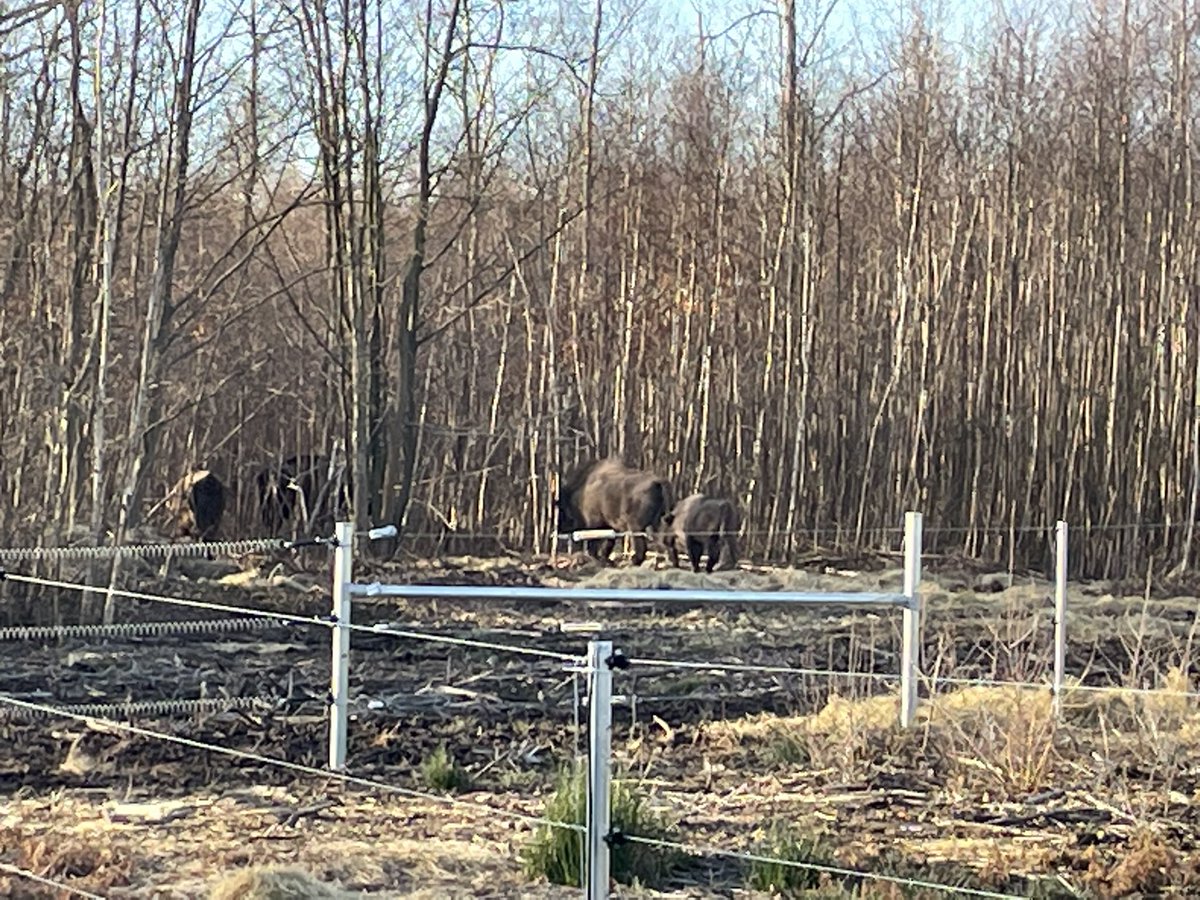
point(1144, 868)
point(94, 867)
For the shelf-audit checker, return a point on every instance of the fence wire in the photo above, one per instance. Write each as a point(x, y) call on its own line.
point(717, 667)
point(18, 872)
point(838, 871)
point(260, 618)
point(300, 768)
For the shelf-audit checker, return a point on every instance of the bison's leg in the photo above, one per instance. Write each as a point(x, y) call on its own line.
point(639, 549)
point(606, 549)
point(672, 551)
point(714, 551)
point(695, 547)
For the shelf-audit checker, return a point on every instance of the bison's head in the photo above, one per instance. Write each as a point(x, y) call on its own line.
point(568, 514)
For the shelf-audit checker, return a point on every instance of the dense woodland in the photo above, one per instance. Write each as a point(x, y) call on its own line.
point(835, 266)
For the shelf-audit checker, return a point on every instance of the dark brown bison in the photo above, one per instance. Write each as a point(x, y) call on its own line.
point(608, 494)
point(302, 491)
point(701, 523)
point(197, 504)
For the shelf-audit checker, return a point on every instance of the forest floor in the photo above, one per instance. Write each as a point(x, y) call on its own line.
point(989, 791)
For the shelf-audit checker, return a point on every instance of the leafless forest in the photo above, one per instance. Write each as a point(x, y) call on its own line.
point(836, 266)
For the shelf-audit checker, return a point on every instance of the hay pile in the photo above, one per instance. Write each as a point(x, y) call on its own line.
point(274, 883)
point(686, 579)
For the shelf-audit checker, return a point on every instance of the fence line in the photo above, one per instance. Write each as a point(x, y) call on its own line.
point(752, 668)
point(850, 533)
point(18, 872)
point(935, 680)
point(266, 618)
point(252, 545)
point(343, 777)
point(840, 871)
point(963, 681)
point(463, 642)
point(1118, 689)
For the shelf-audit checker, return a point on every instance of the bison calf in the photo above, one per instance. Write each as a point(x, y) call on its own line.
point(701, 523)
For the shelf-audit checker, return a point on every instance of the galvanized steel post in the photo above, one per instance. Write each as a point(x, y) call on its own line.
point(1060, 612)
point(343, 566)
point(910, 652)
point(599, 776)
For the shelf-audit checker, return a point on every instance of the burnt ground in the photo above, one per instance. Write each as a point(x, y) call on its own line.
point(987, 791)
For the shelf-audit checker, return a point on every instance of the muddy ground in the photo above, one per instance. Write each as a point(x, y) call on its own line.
point(989, 790)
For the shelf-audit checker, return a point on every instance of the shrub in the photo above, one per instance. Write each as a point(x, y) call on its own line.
point(785, 843)
point(557, 854)
point(441, 772)
point(786, 748)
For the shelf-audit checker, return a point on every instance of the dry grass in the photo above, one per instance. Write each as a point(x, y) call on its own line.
point(1000, 752)
point(650, 577)
point(1007, 730)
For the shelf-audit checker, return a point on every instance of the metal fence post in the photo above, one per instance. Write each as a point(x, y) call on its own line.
point(599, 779)
point(1060, 612)
point(910, 652)
point(343, 565)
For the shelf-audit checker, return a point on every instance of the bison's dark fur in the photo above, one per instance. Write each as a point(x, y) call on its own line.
point(608, 494)
point(198, 502)
point(701, 523)
point(300, 491)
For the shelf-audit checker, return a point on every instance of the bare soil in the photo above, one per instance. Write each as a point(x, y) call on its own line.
point(988, 791)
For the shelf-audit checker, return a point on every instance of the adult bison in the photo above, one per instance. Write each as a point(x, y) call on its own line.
point(197, 504)
point(608, 494)
point(701, 523)
point(301, 490)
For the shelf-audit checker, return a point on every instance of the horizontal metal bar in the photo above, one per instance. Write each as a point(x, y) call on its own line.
point(597, 534)
point(651, 595)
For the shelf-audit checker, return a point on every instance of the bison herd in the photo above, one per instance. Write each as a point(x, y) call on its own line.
point(303, 492)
